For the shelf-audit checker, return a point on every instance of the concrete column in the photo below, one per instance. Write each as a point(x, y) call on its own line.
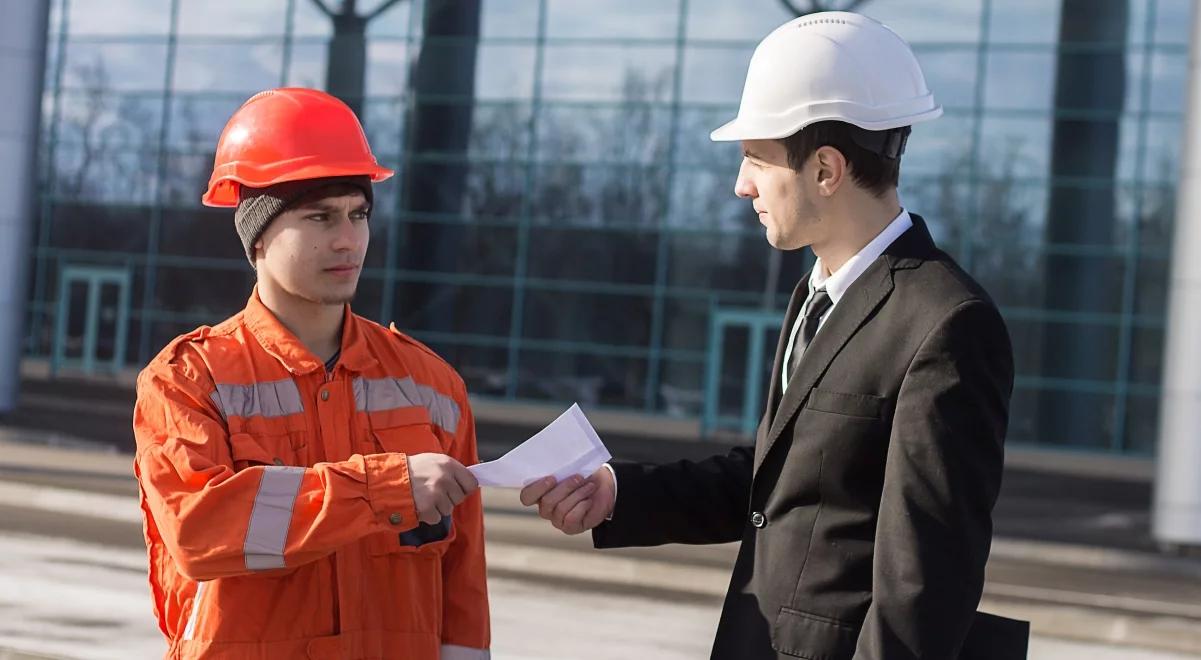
point(1177, 513)
point(22, 68)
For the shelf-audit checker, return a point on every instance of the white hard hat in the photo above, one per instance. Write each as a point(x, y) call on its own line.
point(830, 66)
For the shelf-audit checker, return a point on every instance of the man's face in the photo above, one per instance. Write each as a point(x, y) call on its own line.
point(314, 250)
point(781, 195)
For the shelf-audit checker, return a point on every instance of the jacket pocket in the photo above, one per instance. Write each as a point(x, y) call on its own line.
point(813, 636)
point(867, 406)
point(408, 431)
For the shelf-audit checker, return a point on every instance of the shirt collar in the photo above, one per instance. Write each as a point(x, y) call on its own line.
point(837, 283)
point(281, 344)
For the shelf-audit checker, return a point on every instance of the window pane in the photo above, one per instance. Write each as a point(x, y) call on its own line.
point(716, 262)
point(504, 72)
point(515, 18)
point(1024, 21)
point(950, 74)
point(485, 369)
point(704, 199)
point(114, 67)
point(128, 17)
point(83, 226)
point(203, 295)
point(232, 17)
point(1173, 18)
point(1020, 79)
point(584, 378)
point(394, 22)
point(630, 134)
point(201, 232)
point(102, 120)
point(247, 68)
point(940, 147)
point(431, 310)
point(387, 68)
point(197, 119)
point(604, 319)
point(599, 194)
point(1168, 82)
point(747, 21)
point(306, 65)
point(94, 173)
point(631, 73)
point(715, 75)
point(619, 18)
point(624, 257)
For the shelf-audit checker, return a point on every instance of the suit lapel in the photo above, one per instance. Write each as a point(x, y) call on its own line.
point(857, 304)
point(794, 309)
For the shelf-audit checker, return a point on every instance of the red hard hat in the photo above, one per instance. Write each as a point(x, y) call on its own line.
point(288, 135)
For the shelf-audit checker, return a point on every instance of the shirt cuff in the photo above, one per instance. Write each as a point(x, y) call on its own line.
point(390, 492)
point(614, 507)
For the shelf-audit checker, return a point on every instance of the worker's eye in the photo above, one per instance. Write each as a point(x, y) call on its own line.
point(360, 215)
point(318, 217)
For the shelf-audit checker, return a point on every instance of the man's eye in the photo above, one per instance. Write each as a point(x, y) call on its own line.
point(319, 217)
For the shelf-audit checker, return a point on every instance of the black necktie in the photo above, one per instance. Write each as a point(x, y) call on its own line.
point(819, 304)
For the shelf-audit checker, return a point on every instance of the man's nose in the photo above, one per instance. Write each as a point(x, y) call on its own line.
point(347, 235)
point(743, 186)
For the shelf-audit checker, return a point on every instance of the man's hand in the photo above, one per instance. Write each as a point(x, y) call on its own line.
point(576, 505)
point(439, 483)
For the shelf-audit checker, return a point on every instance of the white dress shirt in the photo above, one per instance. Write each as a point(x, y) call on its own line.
point(837, 283)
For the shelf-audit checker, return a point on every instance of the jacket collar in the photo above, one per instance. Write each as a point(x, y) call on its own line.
point(281, 344)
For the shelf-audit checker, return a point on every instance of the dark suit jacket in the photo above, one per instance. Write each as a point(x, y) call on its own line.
point(865, 508)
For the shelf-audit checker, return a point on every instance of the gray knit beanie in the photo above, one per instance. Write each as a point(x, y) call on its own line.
point(257, 207)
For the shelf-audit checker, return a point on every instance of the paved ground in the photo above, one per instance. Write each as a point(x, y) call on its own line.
point(1072, 555)
point(68, 599)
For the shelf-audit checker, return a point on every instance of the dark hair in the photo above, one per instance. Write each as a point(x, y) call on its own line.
point(338, 189)
point(869, 169)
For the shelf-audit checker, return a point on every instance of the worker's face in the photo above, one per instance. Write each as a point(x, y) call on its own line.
point(779, 194)
point(314, 251)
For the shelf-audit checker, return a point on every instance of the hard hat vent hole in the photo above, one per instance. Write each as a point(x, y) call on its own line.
point(822, 21)
point(260, 95)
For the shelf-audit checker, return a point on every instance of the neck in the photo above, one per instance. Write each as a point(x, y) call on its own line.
point(317, 325)
point(853, 224)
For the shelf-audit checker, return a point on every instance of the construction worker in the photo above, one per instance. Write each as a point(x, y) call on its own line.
point(864, 508)
point(302, 468)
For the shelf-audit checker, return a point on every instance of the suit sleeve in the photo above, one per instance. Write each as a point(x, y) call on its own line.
point(465, 627)
point(683, 502)
point(218, 522)
point(941, 480)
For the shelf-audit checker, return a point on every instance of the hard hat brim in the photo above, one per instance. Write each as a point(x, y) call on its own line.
point(223, 189)
point(775, 128)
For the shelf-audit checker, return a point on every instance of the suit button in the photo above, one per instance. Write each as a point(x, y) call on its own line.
point(758, 520)
point(395, 518)
point(325, 395)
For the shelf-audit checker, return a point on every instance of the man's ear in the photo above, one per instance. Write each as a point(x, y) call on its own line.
point(831, 169)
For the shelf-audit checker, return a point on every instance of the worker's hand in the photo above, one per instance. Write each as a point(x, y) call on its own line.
point(576, 505)
point(439, 483)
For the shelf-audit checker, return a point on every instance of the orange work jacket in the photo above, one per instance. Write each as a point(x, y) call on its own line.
point(277, 508)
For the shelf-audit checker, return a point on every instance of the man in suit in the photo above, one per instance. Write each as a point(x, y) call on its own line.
point(864, 508)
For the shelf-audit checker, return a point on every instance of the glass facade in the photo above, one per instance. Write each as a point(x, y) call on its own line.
point(561, 228)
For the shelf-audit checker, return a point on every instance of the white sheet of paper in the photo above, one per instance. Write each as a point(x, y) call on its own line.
point(569, 445)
